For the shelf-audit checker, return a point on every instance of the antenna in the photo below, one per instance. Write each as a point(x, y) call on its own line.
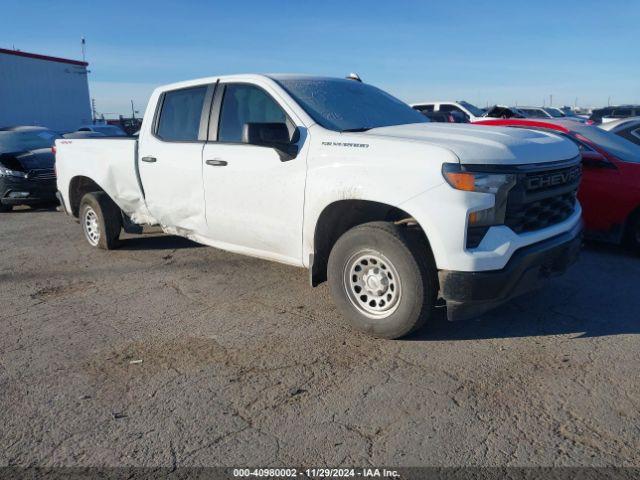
point(83, 43)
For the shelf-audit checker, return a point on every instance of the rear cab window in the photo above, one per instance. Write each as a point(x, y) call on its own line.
point(180, 113)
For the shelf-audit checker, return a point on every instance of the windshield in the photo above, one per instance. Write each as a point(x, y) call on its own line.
point(611, 142)
point(109, 131)
point(533, 112)
point(472, 108)
point(20, 141)
point(347, 105)
point(554, 112)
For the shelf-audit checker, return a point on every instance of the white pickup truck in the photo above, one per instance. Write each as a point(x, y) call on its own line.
point(338, 177)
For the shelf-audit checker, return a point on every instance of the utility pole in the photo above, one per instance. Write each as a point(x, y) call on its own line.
point(93, 109)
point(133, 111)
point(609, 101)
point(551, 100)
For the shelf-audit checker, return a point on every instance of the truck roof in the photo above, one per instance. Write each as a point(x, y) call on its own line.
point(245, 77)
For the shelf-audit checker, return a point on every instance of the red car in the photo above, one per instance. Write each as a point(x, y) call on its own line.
point(610, 188)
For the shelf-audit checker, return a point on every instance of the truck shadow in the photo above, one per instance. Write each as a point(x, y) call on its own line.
point(597, 297)
point(157, 242)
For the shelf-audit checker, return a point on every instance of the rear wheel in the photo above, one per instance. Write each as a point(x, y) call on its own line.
point(101, 220)
point(382, 279)
point(5, 208)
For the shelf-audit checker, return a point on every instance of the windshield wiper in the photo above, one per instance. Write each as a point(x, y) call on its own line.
point(361, 129)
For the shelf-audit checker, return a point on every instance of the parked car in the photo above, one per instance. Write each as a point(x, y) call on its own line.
point(446, 117)
point(628, 128)
point(554, 112)
point(27, 175)
point(610, 189)
point(341, 178)
point(83, 134)
point(468, 110)
point(609, 114)
point(106, 130)
point(534, 112)
point(564, 112)
point(502, 111)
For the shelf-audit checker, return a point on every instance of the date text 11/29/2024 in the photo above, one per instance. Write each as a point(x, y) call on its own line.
point(315, 473)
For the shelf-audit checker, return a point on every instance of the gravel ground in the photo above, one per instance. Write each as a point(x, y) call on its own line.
point(166, 353)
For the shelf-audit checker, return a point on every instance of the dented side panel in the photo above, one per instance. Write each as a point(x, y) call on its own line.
point(111, 164)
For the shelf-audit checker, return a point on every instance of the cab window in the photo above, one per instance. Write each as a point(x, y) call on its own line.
point(247, 104)
point(180, 114)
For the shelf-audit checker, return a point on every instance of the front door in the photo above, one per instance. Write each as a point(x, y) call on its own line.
point(254, 197)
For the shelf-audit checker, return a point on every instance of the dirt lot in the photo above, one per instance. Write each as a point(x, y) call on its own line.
point(243, 363)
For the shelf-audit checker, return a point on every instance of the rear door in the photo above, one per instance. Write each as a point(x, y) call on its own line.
point(170, 158)
point(254, 196)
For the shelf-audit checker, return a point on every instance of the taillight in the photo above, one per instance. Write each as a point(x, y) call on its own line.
point(53, 149)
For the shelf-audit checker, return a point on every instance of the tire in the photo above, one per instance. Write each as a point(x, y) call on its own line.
point(383, 279)
point(101, 220)
point(5, 208)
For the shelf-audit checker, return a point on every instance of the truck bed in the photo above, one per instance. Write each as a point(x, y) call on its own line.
point(109, 162)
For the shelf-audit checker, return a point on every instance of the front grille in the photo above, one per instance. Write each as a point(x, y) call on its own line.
point(543, 198)
point(42, 174)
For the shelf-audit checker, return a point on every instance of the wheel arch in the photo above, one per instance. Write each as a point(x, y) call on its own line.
point(79, 186)
point(342, 215)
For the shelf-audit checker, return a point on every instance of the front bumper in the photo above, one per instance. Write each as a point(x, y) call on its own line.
point(469, 294)
point(38, 191)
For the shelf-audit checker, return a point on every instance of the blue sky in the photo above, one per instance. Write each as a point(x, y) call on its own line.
point(483, 51)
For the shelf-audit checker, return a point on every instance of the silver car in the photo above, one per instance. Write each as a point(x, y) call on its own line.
point(628, 128)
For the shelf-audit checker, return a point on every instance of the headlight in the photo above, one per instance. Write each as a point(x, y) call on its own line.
point(471, 181)
point(497, 184)
point(6, 172)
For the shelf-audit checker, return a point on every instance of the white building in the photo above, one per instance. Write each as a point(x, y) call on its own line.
point(42, 90)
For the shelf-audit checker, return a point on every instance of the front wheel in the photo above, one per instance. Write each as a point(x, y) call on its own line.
point(383, 279)
point(101, 220)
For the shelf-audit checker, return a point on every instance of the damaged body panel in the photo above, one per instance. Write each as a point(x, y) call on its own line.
point(109, 165)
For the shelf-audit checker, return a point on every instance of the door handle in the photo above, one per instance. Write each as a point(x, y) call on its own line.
point(149, 159)
point(216, 163)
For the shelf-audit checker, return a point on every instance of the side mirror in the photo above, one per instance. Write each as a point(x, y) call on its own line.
point(273, 135)
point(595, 160)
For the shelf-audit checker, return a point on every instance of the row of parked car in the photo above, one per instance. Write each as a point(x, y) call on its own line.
point(610, 191)
point(465, 112)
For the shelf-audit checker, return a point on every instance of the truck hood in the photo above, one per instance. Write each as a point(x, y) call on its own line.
point(476, 144)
